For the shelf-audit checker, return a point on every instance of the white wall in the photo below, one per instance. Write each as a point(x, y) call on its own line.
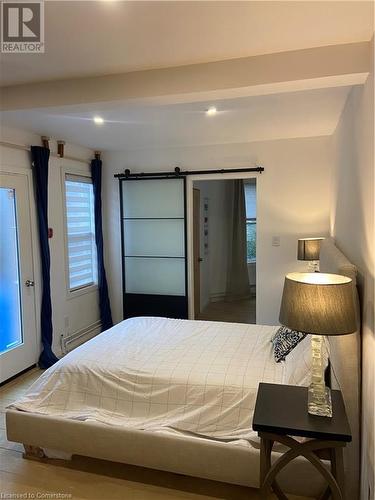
point(293, 201)
point(352, 225)
point(69, 315)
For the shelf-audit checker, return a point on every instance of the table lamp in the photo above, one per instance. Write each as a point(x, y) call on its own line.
point(309, 249)
point(318, 304)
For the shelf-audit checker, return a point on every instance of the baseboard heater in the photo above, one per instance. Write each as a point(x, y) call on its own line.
point(73, 340)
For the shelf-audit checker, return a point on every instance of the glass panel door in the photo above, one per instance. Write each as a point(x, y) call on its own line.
point(153, 243)
point(18, 343)
point(11, 334)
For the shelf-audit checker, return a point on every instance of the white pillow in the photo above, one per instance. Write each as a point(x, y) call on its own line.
point(298, 362)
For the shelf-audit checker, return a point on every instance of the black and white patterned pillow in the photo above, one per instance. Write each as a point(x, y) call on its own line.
point(285, 341)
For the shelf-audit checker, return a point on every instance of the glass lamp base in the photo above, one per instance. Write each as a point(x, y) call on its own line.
point(313, 266)
point(319, 401)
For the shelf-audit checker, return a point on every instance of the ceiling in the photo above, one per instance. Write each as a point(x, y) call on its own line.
point(248, 119)
point(89, 38)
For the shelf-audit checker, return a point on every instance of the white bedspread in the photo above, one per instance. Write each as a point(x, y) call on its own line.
point(197, 377)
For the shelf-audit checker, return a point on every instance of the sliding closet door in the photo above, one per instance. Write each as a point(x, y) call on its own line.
point(154, 247)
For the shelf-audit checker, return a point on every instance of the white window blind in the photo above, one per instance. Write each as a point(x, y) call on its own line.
point(82, 258)
point(250, 200)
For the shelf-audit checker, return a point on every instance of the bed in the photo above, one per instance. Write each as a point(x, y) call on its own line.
point(183, 403)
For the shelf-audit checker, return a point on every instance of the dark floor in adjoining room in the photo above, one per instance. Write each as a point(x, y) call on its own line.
point(237, 311)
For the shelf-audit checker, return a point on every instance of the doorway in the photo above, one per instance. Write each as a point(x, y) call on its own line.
point(224, 250)
point(18, 345)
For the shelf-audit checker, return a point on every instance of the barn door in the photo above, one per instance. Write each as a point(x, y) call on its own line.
point(153, 219)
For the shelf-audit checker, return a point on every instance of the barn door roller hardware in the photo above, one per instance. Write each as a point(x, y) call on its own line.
point(183, 173)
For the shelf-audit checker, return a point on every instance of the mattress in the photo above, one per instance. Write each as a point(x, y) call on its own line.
point(199, 378)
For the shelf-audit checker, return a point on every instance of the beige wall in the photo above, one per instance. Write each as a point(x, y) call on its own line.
point(352, 225)
point(293, 201)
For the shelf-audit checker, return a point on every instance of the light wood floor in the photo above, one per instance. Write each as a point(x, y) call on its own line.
point(238, 311)
point(85, 478)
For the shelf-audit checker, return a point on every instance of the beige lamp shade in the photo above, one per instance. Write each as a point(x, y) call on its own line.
point(318, 303)
point(309, 248)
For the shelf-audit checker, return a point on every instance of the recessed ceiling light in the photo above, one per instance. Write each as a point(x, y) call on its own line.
point(98, 120)
point(211, 111)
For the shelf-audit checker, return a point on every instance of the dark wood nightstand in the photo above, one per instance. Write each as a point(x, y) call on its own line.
point(281, 412)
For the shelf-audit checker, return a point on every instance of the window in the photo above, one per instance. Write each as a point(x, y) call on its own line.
point(251, 220)
point(79, 196)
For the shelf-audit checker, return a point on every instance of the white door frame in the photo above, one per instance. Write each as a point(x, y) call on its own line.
point(189, 213)
point(26, 173)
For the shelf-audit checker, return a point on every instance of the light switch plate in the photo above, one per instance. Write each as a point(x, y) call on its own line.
point(275, 241)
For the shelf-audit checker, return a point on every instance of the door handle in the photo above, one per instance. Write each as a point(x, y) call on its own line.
point(29, 283)
point(200, 259)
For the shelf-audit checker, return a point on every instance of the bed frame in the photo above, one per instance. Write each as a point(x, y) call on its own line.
point(44, 436)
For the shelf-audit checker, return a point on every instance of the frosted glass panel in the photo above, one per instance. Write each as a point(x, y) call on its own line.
point(162, 237)
point(153, 198)
point(155, 276)
point(10, 300)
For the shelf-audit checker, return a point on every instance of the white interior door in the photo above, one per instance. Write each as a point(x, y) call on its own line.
point(18, 344)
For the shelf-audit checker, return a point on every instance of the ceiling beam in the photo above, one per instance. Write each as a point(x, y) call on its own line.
point(335, 65)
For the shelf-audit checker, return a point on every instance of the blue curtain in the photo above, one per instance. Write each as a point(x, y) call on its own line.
point(40, 157)
point(105, 307)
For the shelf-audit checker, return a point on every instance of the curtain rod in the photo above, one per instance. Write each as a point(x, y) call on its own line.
point(26, 148)
point(182, 173)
